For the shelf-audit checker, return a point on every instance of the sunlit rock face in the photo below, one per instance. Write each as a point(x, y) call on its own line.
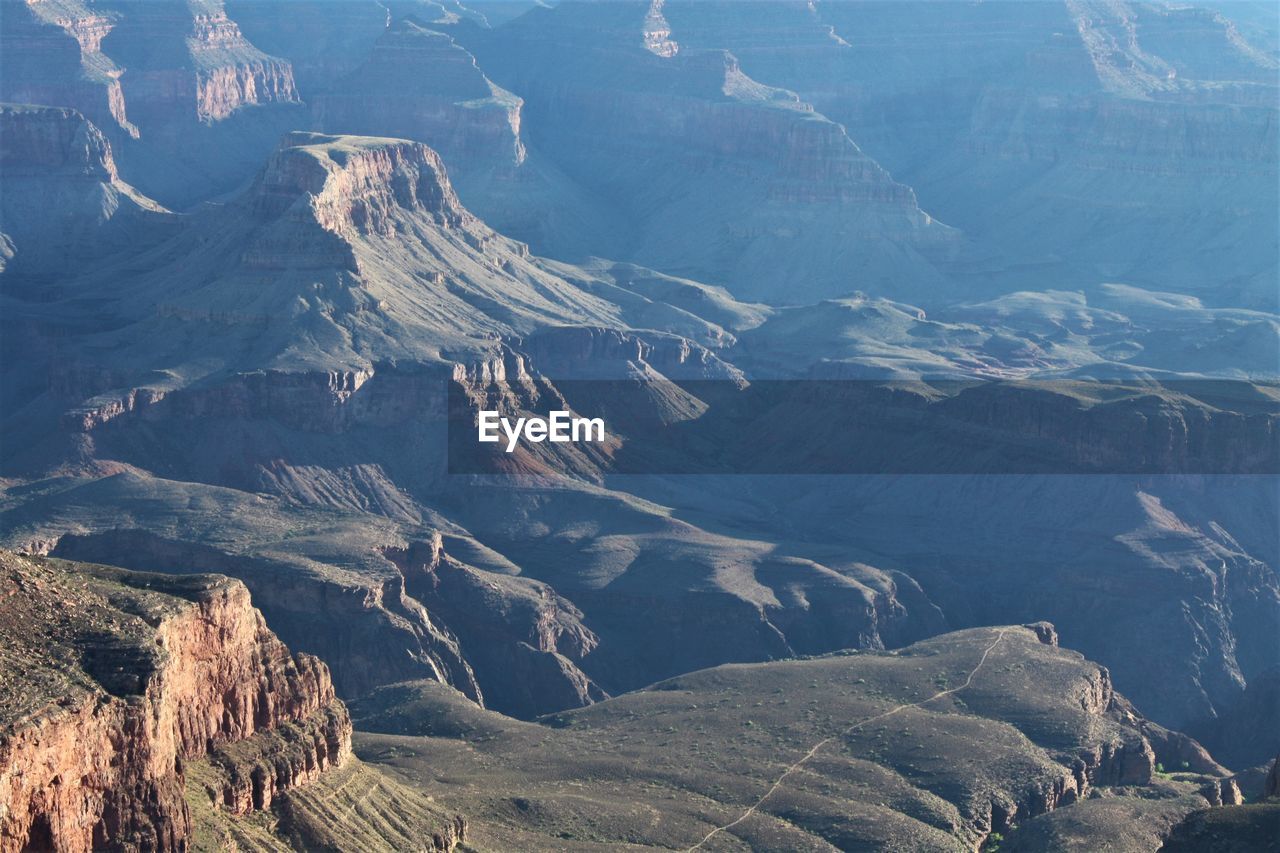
point(168, 670)
point(190, 58)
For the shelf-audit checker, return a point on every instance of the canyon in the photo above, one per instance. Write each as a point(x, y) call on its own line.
point(146, 711)
point(908, 341)
point(64, 195)
point(187, 101)
point(1001, 138)
point(133, 677)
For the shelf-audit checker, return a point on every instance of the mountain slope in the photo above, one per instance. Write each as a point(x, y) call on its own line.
point(1074, 143)
point(64, 202)
point(939, 745)
point(709, 173)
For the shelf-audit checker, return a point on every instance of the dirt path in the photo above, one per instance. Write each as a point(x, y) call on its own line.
point(843, 733)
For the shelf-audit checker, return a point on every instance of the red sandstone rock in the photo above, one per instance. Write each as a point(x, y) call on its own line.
point(112, 679)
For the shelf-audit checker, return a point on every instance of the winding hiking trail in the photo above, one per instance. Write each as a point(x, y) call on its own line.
point(842, 733)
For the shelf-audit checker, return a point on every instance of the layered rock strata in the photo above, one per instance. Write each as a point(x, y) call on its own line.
point(525, 641)
point(52, 54)
point(114, 679)
point(653, 131)
point(205, 70)
point(419, 84)
point(64, 201)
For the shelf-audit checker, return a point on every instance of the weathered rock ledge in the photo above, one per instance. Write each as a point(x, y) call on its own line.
point(111, 680)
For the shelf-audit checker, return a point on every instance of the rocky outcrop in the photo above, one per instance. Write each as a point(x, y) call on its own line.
point(1124, 43)
point(207, 71)
point(1126, 756)
point(64, 202)
point(374, 632)
point(361, 807)
point(54, 141)
point(124, 677)
point(657, 32)
point(355, 184)
point(190, 105)
point(1177, 750)
point(583, 352)
point(1222, 792)
point(364, 236)
point(506, 642)
point(659, 135)
point(323, 40)
point(163, 60)
point(51, 53)
point(253, 772)
point(1045, 632)
point(627, 379)
point(524, 641)
point(420, 84)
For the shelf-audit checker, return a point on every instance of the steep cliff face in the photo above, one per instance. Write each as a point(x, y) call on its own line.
point(190, 105)
point(504, 641)
point(64, 201)
point(189, 59)
point(357, 184)
point(524, 640)
point(57, 141)
point(165, 60)
point(1075, 138)
point(658, 133)
point(323, 40)
point(374, 632)
point(419, 84)
point(363, 240)
point(127, 676)
point(582, 352)
point(253, 772)
point(52, 54)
